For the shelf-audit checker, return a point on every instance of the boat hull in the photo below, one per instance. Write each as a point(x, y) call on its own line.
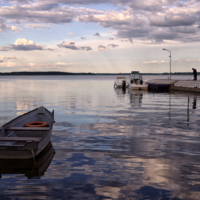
point(29, 150)
point(119, 86)
point(19, 142)
point(120, 82)
point(138, 87)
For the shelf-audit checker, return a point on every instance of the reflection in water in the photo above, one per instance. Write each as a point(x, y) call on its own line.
point(110, 144)
point(27, 167)
point(136, 97)
point(169, 106)
point(188, 112)
point(188, 107)
point(195, 102)
point(120, 92)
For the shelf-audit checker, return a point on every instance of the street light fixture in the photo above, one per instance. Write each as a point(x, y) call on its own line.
point(170, 62)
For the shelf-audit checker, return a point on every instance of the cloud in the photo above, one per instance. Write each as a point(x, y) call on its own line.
point(14, 28)
point(187, 61)
point(31, 64)
point(23, 45)
point(68, 45)
point(161, 34)
point(155, 62)
point(5, 58)
point(97, 34)
point(5, 48)
point(26, 45)
point(37, 26)
point(71, 45)
point(174, 60)
point(83, 38)
point(39, 13)
point(150, 20)
point(8, 64)
point(50, 12)
point(4, 27)
point(173, 20)
point(64, 64)
point(176, 22)
point(70, 34)
point(127, 24)
point(102, 48)
point(130, 40)
point(86, 48)
point(113, 45)
point(184, 29)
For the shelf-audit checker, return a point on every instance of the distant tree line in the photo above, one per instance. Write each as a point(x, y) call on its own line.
point(81, 73)
point(43, 73)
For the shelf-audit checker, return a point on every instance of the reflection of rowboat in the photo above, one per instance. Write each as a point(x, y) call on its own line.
point(27, 166)
point(19, 142)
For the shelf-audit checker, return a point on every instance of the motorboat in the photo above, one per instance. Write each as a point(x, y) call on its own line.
point(27, 135)
point(121, 82)
point(136, 81)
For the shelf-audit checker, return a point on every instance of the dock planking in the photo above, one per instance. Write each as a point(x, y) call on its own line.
point(160, 85)
point(163, 85)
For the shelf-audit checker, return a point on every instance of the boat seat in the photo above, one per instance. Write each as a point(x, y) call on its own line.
point(28, 128)
point(12, 134)
point(31, 139)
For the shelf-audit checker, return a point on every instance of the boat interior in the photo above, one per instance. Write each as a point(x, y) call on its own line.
point(15, 128)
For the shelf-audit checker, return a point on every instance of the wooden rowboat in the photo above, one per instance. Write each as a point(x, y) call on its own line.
point(19, 142)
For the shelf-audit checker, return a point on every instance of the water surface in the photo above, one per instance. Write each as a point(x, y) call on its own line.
point(109, 143)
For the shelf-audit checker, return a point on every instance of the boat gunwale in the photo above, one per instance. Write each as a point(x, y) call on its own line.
point(41, 138)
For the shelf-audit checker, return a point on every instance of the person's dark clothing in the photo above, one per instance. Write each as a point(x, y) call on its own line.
point(194, 73)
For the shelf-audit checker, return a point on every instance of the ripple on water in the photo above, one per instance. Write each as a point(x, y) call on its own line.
point(109, 143)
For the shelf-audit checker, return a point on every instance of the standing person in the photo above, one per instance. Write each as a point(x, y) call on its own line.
point(195, 74)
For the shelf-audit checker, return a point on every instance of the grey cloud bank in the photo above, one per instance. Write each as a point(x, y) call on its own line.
point(144, 20)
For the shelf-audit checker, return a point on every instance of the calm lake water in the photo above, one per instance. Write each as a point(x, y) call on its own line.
point(109, 143)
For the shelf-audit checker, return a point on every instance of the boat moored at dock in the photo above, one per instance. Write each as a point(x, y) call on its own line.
point(121, 82)
point(136, 81)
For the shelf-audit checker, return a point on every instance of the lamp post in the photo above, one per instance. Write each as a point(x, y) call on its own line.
point(170, 62)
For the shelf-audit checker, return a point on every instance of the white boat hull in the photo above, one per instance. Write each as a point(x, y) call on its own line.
point(120, 86)
point(138, 87)
point(118, 83)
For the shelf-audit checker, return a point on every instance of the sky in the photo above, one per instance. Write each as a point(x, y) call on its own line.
point(100, 36)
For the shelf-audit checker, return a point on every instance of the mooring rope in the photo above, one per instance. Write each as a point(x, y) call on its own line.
point(30, 149)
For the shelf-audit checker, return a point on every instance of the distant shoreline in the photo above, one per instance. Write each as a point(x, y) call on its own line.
point(68, 73)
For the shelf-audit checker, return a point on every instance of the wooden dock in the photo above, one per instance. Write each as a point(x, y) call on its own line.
point(160, 85)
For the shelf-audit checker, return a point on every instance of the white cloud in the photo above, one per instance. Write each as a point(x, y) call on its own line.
point(64, 64)
point(37, 26)
point(8, 64)
point(23, 44)
point(154, 62)
point(102, 48)
point(31, 64)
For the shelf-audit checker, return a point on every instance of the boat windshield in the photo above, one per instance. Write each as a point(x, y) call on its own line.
point(136, 76)
point(121, 77)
